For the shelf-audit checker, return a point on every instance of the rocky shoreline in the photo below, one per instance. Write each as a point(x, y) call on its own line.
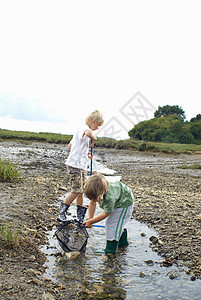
point(172, 206)
point(165, 198)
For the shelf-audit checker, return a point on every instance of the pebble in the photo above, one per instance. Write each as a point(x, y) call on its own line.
point(72, 255)
point(31, 272)
point(142, 275)
point(193, 278)
point(149, 262)
point(48, 296)
point(153, 239)
point(36, 281)
point(173, 274)
point(32, 258)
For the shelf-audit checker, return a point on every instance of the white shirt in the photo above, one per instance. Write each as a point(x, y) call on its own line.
point(78, 157)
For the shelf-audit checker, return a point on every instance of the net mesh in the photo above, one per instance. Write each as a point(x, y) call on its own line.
point(72, 236)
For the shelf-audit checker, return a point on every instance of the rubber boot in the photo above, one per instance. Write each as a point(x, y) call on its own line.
point(63, 210)
point(123, 239)
point(111, 247)
point(81, 212)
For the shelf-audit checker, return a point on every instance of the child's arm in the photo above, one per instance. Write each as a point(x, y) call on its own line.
point(92, 208)
point(100, 217)
point(70, 145)
point(90, 135)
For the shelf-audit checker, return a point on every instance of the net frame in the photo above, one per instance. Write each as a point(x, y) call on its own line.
point(72, 236)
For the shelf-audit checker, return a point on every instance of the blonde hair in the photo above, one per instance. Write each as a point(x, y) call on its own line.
point(95, 187)
point(95, 116)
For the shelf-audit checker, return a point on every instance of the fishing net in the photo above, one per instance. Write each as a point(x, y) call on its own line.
point(72, 236)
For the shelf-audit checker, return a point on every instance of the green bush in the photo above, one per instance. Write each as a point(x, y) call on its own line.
point(169, 110)
point(167, 129)
point(195, 129)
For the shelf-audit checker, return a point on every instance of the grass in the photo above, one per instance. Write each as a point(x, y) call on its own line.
point(101, 142)
point(176, 148)
point(34, 136)
point(9, 171)
point(148, 146)
point(10, 235)
point(192, 167)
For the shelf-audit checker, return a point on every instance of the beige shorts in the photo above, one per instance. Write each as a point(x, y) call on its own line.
point(77, 179)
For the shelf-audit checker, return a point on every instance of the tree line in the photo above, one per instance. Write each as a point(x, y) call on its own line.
point(169, 126)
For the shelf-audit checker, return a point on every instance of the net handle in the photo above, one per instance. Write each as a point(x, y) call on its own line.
point(96, 225)
point(102, 226)
point(91, 156)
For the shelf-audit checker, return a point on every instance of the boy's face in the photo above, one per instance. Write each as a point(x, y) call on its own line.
point(98, 199)
point(94, 126)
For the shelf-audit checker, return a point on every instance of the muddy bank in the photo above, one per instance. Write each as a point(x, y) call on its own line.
point(166, 198)
point(30, 203)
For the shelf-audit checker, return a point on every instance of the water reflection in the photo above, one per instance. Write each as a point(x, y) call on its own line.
point(92, 277)
point(121, 276)
point(111, 279)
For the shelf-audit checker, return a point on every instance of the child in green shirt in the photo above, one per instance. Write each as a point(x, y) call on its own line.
point(116, 200)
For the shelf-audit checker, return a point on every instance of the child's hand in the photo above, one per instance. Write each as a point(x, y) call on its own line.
point(93, 141)
point(69, 146)
point(90, 156)
point(87, 224)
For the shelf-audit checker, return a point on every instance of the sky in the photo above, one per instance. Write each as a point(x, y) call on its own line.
point(60, 60)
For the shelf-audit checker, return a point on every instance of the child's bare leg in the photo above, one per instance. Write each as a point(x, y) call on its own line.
point(71, 197)
point(80, 199)
point(65, 205)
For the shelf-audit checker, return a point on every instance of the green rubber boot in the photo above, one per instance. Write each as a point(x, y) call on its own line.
point(123, 239)
point(111, 247)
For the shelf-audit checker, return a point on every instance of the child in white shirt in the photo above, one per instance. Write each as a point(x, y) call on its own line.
point(77, 164)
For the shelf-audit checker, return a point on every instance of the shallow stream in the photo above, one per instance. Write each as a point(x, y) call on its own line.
point(136, 272)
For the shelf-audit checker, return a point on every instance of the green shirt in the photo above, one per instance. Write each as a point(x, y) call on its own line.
point(117, 196)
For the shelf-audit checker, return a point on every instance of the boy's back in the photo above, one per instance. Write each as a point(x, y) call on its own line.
point(79, 150)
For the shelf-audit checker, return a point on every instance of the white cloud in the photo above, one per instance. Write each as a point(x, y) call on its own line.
point(24, 125)
point(28, 109)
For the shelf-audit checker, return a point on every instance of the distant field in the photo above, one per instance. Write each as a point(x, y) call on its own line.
point(101, 142)
point(34, 136)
